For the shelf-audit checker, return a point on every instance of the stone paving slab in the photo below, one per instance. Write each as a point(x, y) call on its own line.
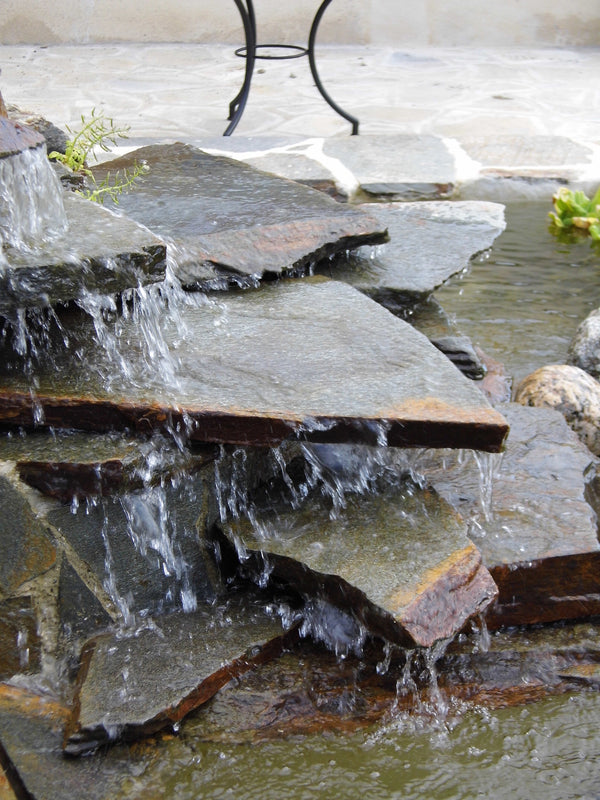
point(502, 98)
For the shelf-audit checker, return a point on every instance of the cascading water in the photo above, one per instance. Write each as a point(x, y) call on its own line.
point(31, 200)
point(151, 519)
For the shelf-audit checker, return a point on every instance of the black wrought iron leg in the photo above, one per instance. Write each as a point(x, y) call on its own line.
point(238, 104)
point(313, 68)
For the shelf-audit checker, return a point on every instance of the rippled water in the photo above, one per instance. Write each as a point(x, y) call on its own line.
point(549, 750)
point(522, 301)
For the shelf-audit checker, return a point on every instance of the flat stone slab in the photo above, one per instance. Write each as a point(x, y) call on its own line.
point(311, 358)
point(418, 258)
point(401, 167)
point(400, 563)
point(135, 686)
point(229, 221)
point(71, 465)
point(98, 252)
point(533, 523)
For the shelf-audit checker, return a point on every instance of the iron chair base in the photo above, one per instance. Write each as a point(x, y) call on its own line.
point(251, 52)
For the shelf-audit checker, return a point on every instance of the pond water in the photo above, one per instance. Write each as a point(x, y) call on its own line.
point(548, 750)
point(521, 303)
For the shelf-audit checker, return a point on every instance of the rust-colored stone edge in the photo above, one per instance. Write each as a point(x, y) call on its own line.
point(80, 740)
point(455, 591)
point(483, 429)
point(546, 590)
point(15, 138)
point(66, 480)
point(459, 588)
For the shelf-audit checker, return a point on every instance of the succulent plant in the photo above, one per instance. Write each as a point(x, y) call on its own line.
point(574, 209)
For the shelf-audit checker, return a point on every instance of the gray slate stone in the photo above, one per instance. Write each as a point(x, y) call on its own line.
point(228, 221)
point(429, 242)
point(309, 358)
point(399, 562)
point(137, 685)
point(401, 167)
point(99, 252)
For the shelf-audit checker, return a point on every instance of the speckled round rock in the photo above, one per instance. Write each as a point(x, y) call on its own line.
point(569, 390)
point(584, 350)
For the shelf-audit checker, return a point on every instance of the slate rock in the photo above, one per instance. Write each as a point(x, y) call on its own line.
point(20, 648)
point(571, 391)
point(97, 252)
point(80, 613)
point(400, 167)
point(230, 222)
point(16, 137)
point(135, 686)
point(148, 561)
point(311, 358)
point(529, 516)
point(400, 563)
point(418, 258)
point(69, 465)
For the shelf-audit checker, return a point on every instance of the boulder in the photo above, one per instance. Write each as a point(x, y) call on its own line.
point(571, 391)
point(584, 349)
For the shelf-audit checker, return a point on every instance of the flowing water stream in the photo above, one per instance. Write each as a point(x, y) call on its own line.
point(521, 303)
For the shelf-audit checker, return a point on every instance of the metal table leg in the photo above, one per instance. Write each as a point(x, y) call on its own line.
point(313, 68)
point(238, 104)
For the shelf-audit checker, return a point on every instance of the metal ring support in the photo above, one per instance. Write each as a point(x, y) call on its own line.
point(249, 52)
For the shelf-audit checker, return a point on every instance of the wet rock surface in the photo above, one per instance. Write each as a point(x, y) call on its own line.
point(70, 465)
point(99, 251)
point(16, 137)
point(584, 349)
point(531, 517)
point(229, 221)
point(306, 691)
point(400, 564)
point(416, 260)
point(349, 371)
point(569, 390)
point(132, 686)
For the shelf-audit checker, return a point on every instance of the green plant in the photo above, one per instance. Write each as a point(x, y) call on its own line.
point(100, 132)
point(576, 210)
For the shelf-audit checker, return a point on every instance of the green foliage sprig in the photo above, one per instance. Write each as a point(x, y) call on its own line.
point(576, 210)
point(101, 132)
